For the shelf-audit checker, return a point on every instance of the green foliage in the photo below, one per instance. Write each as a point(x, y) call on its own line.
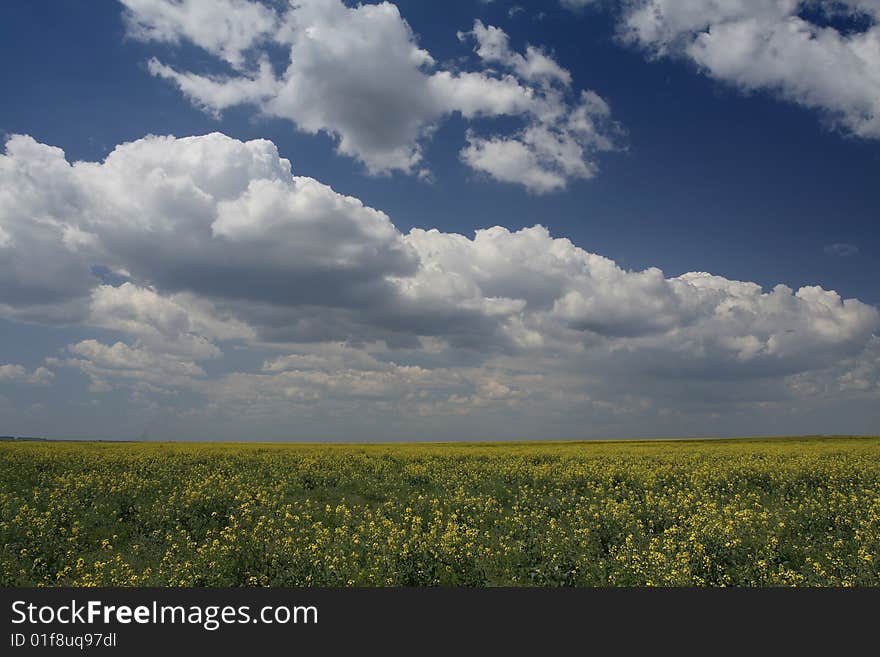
point(803, 512)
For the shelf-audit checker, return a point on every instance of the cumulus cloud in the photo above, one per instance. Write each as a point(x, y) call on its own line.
point(41, 376)
point(136, 366)
point(555, 146)
point(215, 245)
point(359, 75)
point(180, 324)
point(493, 48)
point(380, 389)
point(550, 293)
point(209, 214)
point(820, 54)
point(11, 372)
point(40, 265)
point(226, 28)
point(544, 156)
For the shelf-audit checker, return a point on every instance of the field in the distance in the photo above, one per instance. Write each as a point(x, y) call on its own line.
point(796, 511)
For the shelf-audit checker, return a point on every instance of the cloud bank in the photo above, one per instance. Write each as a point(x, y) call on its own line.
point(217, 248)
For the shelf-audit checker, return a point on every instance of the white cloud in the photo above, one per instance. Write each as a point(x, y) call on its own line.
point(120, 356)
point(227, 28)
point(207, 214)
point(493, 48)
point(41, 376)
point(331, 378)
point(560, 142)
point(545, 155)
point(12, 372)
point(222, 247)
point(358, 74)
point(566, 298)
point(513, 161)
point(179, 324)
point(769, 45)
point(217, 93)
point(130, 366)
point(40, 264)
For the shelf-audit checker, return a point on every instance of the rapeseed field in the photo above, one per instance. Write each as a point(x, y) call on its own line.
point(747, 512)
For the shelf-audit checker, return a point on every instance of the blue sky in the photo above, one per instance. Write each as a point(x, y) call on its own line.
point(696, 164)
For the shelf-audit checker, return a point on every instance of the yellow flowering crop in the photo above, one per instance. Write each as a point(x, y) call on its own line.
point(776, 512)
